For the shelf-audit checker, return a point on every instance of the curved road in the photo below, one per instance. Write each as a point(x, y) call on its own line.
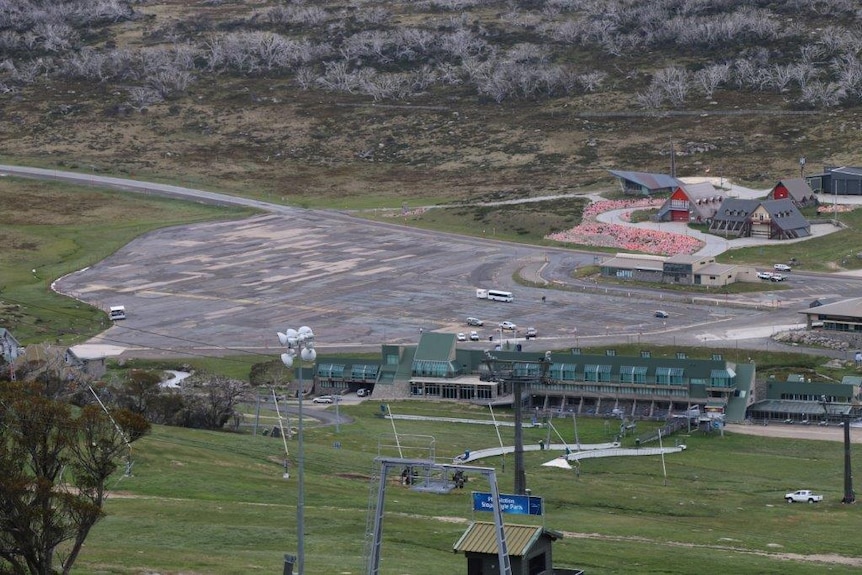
point(225, 287)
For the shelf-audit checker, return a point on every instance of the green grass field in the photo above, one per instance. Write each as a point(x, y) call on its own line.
point(217, 503)
point(50, 229)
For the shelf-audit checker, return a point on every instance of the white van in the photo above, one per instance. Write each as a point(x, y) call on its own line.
point(117, 312)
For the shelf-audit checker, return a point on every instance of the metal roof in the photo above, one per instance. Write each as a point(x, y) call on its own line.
point(785, 215)
point(625, 262)
point(647, 180)
point(846, 170)
point(796, 407)
point(848, 308)
point(435, 346)
point(798, 188)
point(736, 209)
point(481, 537)
point(701, 190)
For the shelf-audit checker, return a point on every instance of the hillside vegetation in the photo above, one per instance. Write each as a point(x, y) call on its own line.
point(217, 503)
point(383, 103)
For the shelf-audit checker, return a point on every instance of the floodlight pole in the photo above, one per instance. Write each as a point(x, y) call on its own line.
point(300, 498)
point(299, 343)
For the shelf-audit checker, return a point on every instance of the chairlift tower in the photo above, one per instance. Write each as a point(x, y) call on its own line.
point(390, 465)
point(849, 495)
point(506, 371)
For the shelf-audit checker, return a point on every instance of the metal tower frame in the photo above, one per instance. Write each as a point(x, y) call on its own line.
point(386, 465)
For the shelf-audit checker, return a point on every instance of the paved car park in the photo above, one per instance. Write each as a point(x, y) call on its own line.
point(226, 287)
point(223, 288)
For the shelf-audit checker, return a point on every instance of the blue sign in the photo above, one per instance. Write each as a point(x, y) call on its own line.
point(512, 504)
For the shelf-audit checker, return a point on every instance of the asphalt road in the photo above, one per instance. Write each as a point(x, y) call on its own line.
point(226, 287)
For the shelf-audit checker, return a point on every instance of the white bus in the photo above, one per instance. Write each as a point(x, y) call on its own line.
point(498, 295)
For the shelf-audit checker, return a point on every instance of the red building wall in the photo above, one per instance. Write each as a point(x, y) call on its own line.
point(679, 215)
point(779, 192)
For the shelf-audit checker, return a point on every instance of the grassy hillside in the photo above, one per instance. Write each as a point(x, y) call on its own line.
point(216, 503)
point(380, 103)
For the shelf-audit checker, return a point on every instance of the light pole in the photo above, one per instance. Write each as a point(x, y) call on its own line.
point(299, 342)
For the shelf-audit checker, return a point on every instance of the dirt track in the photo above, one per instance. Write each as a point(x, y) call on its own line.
point(797, 431)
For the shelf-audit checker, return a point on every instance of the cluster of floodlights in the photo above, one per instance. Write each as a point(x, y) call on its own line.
point(299, 341)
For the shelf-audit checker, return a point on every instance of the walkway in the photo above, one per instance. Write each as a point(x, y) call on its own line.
point(571, 452)
point(469, 456)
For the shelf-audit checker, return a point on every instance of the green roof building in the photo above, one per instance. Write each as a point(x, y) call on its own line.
point(606, 384)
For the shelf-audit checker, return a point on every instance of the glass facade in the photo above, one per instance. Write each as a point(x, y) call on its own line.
point(669, 375)
point(364, 372)
point(330, 371)
point(433, 368)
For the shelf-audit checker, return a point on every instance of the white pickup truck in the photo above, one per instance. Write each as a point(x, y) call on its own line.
point(803, 496)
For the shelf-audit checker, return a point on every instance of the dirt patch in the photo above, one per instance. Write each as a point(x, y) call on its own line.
point(360, 476)
point(833, 432)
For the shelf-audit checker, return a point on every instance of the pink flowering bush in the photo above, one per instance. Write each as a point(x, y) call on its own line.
point(831, 209)
point(594, 233)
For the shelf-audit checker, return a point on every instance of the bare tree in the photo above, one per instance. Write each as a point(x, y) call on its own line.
point(142, 97)
point(652, 98)
point(711, 77)
point(170, 81)
point(848, 74)
point(745, 73)
point(782, 76)
point(674, 82)
point(592, 81)
point(449, 74)
point(386, 86)
point(297, 15)
point(339, 78)
point(804, 72)
point(305, 77)
point(462, 44)
point(818, 94)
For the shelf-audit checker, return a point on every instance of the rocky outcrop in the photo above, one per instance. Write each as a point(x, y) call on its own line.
point(825, 339)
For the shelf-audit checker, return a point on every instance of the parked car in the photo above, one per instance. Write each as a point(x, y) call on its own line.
point(803, 496)
point(461, 336)
point(661, 313)
point(777, 278)
point(764, 275)
point(507, 325)
point(781, 267)
point(531, 333)
point(322, 399)
point(474, 336)
point(361, 392)
point(475, 321)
